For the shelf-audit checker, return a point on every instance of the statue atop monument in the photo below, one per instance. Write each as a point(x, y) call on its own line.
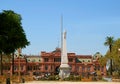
point(65, 34)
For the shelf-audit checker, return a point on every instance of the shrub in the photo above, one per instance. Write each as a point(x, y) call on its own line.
point(51, 78)
point(73, 78)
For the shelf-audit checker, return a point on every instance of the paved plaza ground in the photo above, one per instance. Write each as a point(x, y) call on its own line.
point(68, 82)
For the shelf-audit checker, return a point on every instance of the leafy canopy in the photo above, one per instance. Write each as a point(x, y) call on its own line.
point(115, 56)
point(12, 35)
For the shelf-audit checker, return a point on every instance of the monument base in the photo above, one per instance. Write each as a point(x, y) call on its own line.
point(64, 72)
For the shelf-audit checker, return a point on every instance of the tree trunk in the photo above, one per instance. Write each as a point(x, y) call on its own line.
point(13, 63)
point(1, 64)
point(111, 66)
point(110, 60)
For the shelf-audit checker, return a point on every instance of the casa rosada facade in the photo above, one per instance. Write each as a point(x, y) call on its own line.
point(49, 62)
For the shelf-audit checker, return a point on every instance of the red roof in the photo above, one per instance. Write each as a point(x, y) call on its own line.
point(84, 56)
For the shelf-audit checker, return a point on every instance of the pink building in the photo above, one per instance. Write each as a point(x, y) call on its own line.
point(49, 62)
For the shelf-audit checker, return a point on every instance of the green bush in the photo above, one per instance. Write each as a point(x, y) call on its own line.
point(56, 77)
point(51, 78)
point(66, 79)
point(73, 78)
point(77, 78)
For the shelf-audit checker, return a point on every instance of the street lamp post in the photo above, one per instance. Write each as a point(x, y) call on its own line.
point(119, 57)
point(19, 51)
point(118, 49)
point(118, 52)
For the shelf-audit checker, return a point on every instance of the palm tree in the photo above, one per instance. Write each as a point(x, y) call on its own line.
point(109, 42)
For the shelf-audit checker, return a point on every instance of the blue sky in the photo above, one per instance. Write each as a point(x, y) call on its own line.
point(88, 23)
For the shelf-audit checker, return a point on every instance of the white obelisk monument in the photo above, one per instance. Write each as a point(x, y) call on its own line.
point(64, 67)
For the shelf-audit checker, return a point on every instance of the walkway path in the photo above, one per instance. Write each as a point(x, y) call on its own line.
point(68, 82)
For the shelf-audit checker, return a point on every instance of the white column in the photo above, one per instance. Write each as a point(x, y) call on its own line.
point(64, 67)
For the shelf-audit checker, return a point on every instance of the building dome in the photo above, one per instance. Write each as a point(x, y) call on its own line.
point(97, 55)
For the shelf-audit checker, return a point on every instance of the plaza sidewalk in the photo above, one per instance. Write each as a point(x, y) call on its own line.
point(68, 82)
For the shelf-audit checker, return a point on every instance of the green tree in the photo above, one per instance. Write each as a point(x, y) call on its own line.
point(109, 42)
point(102, 61)
point(12, 33)
point(116, 58)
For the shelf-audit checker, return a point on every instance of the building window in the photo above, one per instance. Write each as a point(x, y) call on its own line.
point(39, 67)
point(57, 60)
point(46, 67)
point(98, 68)
point(70, 59)
point(88, 68)
point(51, 67)
point(88, 60)
point(29, 68)
point(34, 67)
point(46, 60)
point(15, 67)
point(78, 68)
point(83, 69)
point(6, 67)
point(21, 67)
